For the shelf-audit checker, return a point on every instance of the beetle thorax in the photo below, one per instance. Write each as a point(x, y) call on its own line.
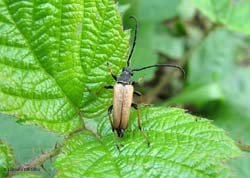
point(125, 77)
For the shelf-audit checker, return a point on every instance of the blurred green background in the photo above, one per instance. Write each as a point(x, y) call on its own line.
point(209, 39)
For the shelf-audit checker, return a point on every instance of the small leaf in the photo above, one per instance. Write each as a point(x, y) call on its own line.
point(123, 8)
point(168, 44)
point(233, 14)
point(157, 11)
point(6, 159)
point(53, 55)
point(211, 8)
point(181, 146)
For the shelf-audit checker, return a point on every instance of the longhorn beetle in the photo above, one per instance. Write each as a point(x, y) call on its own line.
point(123, 94)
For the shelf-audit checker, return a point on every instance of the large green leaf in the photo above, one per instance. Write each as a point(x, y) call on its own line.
point(214, 62)
point(6, 159)
point(215, 75)
point(233, 14)
point(213, 70)
point(181, 146)
point(53, 54)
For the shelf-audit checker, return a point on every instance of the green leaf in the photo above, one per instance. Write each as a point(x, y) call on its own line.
point(157, 11)
point(27, 147)
point(123, 8)
point(216, 62)
point(215, 75)
point(6, 159)
point(186, 10)
point(233, 14)
point(167, 44)
point(194, 94)
point(53, 54)
point(26, 175)
point(213, 70)
point(238, 124)
point(213, 59)
point(212, 9)
point(181, 146)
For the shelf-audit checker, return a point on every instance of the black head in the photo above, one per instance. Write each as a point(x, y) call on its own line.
point(125, 77)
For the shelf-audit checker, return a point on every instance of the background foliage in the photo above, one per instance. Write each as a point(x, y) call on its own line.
point(210, 39)
point(206, 37)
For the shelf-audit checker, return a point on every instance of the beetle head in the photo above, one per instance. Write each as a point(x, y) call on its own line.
point(125, 77)
point(127, 71)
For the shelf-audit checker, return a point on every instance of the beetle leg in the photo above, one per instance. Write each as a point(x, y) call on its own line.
point(135, 106)
point(138, 94)
point(118, 146)
point(108, 87)
point(105, 86)
point(109, 114)
point(111, 72)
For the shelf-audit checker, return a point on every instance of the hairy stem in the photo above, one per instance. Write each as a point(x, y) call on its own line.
point(243, 147)
point(38, 161)
point(43, 157)
point(82, 129)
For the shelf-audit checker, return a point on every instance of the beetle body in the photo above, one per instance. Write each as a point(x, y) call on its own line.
point(123, 95)
point(122, 101)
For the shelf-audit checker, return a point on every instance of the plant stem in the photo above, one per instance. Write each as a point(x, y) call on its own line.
point(36, 162)
point(82, 129)
point(243, 147)
point(39, 161)
point(43, 157)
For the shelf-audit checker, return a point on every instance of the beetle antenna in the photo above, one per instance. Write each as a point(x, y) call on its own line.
point(135, 36)
point(162, 65)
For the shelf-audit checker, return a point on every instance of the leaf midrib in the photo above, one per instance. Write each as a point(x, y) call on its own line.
point(39, 63)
